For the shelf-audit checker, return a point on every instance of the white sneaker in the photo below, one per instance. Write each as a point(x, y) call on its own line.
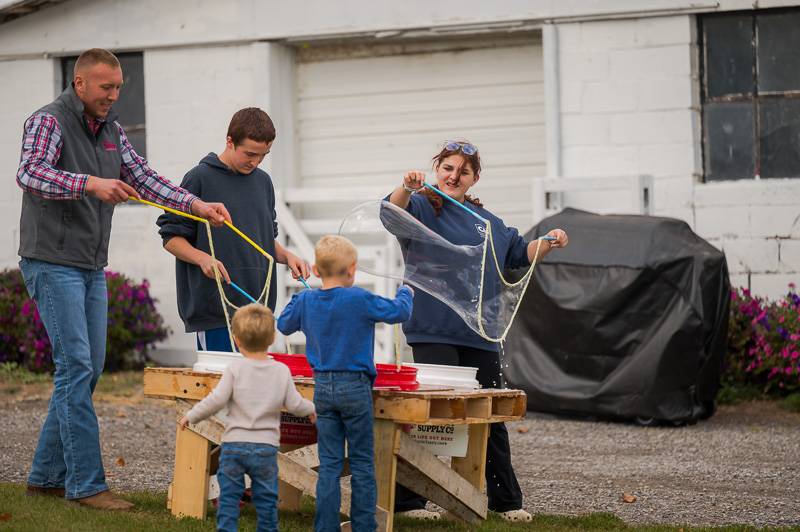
point(516, 516)
point(422, 515)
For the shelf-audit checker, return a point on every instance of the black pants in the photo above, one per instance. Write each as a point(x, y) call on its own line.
point(501, 483)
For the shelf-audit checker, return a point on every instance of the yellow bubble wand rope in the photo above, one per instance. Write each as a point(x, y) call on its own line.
point(217, 276)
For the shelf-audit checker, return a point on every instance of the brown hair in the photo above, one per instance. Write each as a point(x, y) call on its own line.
point(251, 123)
point(474, 161)
point(93, 56)
point(253, 326)
point(333, 254)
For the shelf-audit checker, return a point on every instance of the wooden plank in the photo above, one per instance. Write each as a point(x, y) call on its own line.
point(421, 484)
point(479, 407)
point(387, 442)
point(443, 486)
point(289, 497)
point(402, 410)
point(182, 383)
point(509, 406)
point(308, 455)
point(190, 475)
point(451, 408)
point(472, 467)
point(178, 384)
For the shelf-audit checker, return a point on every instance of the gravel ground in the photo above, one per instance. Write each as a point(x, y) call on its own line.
point(741, 466)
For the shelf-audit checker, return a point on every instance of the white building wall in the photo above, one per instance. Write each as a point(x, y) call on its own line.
point(630, 105)
point(22, 98)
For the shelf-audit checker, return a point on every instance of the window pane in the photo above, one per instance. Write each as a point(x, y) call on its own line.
point(137, 140)
point(729, 60)
point(729, 140)
point(130, 105)
point(778, 57)
point(67, 67)
point(780, 137)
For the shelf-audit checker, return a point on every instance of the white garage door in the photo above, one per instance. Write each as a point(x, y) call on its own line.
point(366, 116)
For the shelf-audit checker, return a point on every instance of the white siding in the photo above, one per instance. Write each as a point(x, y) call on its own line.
point(366, 121)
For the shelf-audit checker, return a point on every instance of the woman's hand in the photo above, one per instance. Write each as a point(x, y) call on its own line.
point(561, 238)
point(183, 422)
point(414, 180)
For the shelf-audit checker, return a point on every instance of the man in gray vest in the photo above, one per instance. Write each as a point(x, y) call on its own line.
point(76, 165)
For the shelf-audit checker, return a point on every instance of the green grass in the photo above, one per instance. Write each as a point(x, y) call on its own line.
point(21, 513)
point(735, 394)
point(13, 373)
point(791, 403)
point(120, 384)
point(15, 379)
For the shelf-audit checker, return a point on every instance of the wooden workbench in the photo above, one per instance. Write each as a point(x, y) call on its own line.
point(398, 458)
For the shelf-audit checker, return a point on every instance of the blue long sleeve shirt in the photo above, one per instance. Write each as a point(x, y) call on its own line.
point(339, 324)
point(433, 321)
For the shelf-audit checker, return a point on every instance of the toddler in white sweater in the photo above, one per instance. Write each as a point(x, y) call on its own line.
point(254, 389)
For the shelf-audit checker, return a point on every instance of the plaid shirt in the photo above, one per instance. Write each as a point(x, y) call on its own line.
point(41, 149)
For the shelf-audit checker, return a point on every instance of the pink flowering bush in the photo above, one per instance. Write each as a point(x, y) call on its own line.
point(764, 342)
point(134, 325)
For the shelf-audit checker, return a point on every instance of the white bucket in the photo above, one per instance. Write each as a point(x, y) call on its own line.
point(456, 377)
point(214, 361)
point(445, 440)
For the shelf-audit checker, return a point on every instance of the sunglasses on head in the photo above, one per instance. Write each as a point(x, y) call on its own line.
point(465, 147)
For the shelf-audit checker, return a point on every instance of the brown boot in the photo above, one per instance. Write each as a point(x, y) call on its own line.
point(37, 491)
point(105, 500)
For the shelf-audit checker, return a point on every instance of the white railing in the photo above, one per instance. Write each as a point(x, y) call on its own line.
point(551, 195)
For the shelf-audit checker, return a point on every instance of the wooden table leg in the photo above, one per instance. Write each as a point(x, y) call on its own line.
point(387, 443)
point(289, 497)
point(190, 477)
point(472, 467)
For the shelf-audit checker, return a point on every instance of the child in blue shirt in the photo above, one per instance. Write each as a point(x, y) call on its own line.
point(339, 324)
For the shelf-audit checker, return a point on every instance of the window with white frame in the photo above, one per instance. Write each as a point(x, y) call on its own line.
point(750, 92)
point(130, 106)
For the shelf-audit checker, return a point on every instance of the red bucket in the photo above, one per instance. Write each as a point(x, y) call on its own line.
point(298, 364)
point(389, 376)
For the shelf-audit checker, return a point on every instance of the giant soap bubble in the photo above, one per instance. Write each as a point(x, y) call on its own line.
point(466, 278)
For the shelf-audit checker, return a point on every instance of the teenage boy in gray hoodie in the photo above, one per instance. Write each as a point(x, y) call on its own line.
point(232, 177)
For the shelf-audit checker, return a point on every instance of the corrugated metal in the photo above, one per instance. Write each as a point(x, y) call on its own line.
point(367, 120)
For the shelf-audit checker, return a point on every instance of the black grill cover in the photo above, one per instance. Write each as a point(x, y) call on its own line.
point(629, 321)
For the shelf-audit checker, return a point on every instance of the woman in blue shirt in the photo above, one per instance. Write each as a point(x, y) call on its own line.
point(437, 334)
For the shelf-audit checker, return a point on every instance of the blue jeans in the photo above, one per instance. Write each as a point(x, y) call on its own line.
point(343, 400)
point(260, 462)
point(73, 305)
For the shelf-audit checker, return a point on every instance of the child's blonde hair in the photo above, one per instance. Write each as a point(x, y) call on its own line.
point(253, 326)
point(333, 254)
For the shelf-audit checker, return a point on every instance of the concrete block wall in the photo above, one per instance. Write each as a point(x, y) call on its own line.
point(630, 105)
point(757, 224)
point(626, 98)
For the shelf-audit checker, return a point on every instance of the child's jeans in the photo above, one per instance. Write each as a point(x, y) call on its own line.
point(260, 462)
point(344, 412)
